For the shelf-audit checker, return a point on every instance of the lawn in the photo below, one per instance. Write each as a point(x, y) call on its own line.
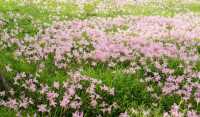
point(104, 58)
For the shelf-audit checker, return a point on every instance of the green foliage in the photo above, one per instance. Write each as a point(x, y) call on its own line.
point(6, 113)
point(198, 49)
point(197, 66)
point(167, 101)
point(176, 65)
point(194, 7)
point(129, 89)
point(51, 73)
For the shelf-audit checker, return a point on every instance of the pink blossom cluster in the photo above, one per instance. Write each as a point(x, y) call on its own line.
point(65, 96)
point(180, 81)
point(176, 112)
point(115, 39)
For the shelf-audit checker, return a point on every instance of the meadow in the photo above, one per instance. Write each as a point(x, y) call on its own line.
point(99, 58)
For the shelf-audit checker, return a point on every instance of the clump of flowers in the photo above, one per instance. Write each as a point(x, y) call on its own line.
point(176, 112)
point(114, 39)
point(71, 97)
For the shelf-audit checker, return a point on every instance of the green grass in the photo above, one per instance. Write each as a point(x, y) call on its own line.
point(174, 64)
point(129, 89)
point(194, 7)
point(6, 113)
point(51, 73)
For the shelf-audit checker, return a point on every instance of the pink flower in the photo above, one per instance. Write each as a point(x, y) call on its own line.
point(100, 55)
point(192, 114)
point(166, 114)
point(75, 104)
point(24, 103)
point(77, 114)
point(51, 96)
point(31, 85)
point(12, 103)
point(124, 114)
point(175, 111)
point(93, 103)
point(104, 88)
point(56, 85)
point(42, 108)
point(71, 91)
point(65, 101)
point(44, 89)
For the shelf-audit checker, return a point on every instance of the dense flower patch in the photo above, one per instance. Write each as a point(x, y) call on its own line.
point(118, 39)
point(60, 98)
point(165, 49)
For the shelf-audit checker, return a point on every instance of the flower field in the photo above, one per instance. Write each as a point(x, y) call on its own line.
point(99, 58)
